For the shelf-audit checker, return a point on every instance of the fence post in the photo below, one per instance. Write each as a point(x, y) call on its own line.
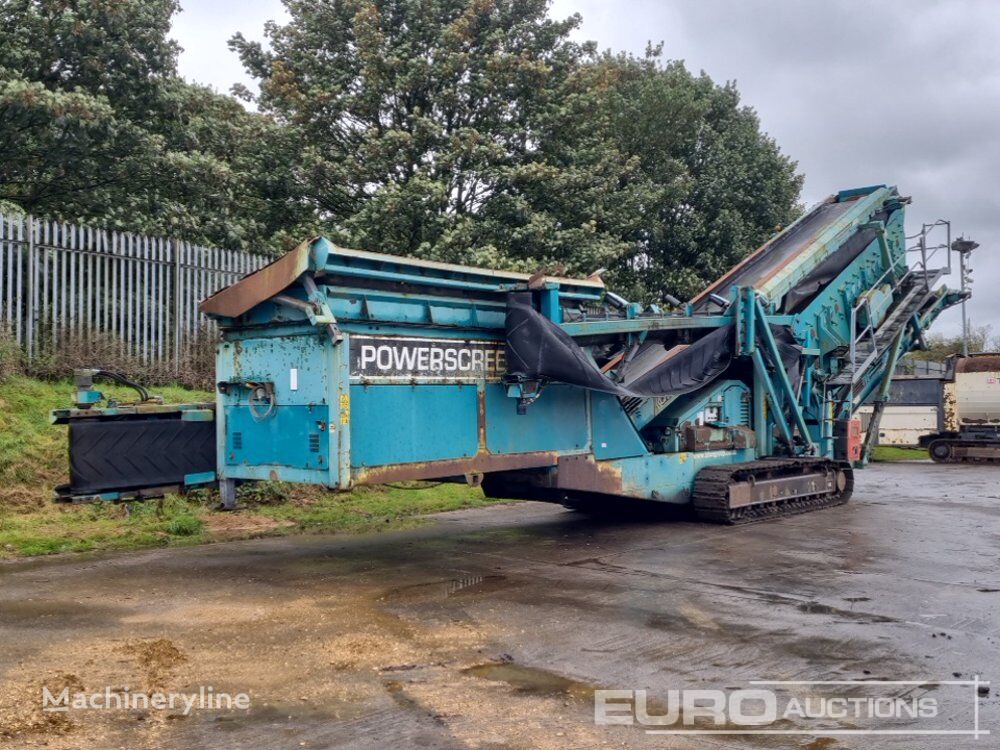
point(32, 295)
point(69, 278)
point(177, 305)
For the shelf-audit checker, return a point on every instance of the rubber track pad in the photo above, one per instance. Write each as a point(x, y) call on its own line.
point(131, 455)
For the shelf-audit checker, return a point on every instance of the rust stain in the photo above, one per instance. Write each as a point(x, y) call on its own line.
point(949, 400)
point(481, 419)
point(483, 463)
point(978, 363)
point(584, 474)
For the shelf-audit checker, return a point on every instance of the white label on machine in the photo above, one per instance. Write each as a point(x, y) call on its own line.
point(399, 358)
point(293, 379)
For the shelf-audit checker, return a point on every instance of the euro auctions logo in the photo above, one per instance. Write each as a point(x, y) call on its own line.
point(802, 707)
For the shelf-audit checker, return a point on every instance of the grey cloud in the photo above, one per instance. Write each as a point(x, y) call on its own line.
point(858, 93)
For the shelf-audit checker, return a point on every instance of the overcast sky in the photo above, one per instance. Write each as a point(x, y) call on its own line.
point(858, 93)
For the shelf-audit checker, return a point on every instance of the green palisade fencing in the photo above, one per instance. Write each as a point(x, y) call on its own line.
point(62, 283)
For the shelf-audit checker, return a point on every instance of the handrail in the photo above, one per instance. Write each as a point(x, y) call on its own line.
point(927, 254)
point(857, 337)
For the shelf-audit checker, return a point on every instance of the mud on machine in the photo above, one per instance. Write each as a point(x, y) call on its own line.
point(339, 367)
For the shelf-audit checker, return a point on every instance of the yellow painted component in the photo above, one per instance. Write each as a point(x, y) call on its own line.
point(345, 408)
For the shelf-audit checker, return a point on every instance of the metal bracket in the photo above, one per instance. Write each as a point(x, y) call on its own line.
point(883, 395)
point(227, 494)
point(756, 325)
point(322, 316)
point(526, 392)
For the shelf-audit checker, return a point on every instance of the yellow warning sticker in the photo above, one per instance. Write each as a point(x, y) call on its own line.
point(345, 408)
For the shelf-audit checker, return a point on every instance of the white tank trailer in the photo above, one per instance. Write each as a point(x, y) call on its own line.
point(970, 406)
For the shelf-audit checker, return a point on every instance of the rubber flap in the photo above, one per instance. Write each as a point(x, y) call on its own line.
point(538, 349)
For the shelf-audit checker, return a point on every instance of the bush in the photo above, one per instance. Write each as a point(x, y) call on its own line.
point(75, 350)
point(10, 355)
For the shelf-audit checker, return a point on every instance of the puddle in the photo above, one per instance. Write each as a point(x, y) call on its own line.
point(477, 585)
point(531, 680)
point(815, 608)
point(470, 586)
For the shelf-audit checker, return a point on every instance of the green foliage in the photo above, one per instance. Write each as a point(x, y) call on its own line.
point(941, 346)
point(96, 126)
point(372, 508)
point(896, 453)
point(478, 131)
point(473, 131)
point(717, 186)
point(185, 524)
point(415, 114)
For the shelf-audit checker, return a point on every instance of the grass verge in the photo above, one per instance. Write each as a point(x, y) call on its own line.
point(33, 461)
point(896, 453)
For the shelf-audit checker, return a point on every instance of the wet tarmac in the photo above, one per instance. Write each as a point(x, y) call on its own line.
point(491, 628)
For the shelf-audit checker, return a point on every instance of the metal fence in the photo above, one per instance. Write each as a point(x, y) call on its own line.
point(61, 282)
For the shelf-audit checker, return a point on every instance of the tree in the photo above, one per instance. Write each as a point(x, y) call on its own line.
point(57, 147)
point(472, 131)
point(477, 131)
point(941, 346)
point(75, 78)
point(721, 185)
point(96, 126)
point(456, 130)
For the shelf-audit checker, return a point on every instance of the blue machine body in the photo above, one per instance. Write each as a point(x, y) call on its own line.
point(340, 367)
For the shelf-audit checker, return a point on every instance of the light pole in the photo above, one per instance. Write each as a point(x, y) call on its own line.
point(964, 247)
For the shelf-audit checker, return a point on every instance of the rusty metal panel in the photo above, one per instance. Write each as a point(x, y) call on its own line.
point(483, 463)
point(708, 438)
point(978, 363)
point(261, 285)
point(759, 491)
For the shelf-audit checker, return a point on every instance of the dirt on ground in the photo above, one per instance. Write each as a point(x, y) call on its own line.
point(492, 628)
point(227, 526)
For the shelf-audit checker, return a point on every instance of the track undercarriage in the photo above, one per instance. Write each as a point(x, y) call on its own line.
point(732, 494)
point(957, 451)
point(770, 488)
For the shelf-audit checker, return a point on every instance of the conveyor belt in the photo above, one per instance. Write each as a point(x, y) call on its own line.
point(123, 455)
point(776, 253)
